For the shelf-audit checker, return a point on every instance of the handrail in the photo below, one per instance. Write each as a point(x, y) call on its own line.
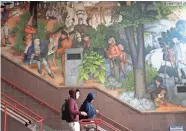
point(16, 115)
point(97, 122)
point(100, 114)
point(20, 111)
point(19, 105)
point(41, 101)
point(26, 92)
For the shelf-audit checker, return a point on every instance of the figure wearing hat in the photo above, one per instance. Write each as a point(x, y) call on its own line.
point(29, 31)
point(37, 57)
point(66, 43)
point(4, 25)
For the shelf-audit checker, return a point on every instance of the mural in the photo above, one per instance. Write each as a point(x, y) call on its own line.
point(136, 51)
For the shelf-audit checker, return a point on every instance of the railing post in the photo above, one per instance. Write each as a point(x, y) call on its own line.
point(41, 126)
point(96, 126)
point(5, 117)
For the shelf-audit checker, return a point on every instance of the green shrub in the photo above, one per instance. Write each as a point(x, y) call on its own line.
point(151, 73)
point(41, 30)
point(98, 37)
point(20, 25)
point(58, 25)
point(92, 65)
point(129, 82)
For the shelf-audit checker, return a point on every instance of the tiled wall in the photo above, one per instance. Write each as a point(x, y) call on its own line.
point(108, 105)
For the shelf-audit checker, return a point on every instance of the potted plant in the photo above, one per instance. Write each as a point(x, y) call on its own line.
point(92, 67)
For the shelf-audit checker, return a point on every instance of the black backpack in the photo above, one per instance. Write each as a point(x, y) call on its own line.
point(64, 111)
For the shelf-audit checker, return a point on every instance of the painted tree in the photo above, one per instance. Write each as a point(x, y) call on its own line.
point(134, 16)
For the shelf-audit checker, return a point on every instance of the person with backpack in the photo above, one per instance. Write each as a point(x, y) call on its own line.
point(88, 107)
point(72, 111)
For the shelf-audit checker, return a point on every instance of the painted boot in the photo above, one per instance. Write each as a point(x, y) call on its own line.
point(51, 75)
point(7, 41)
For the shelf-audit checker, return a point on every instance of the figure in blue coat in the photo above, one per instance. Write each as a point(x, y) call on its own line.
point(88, 107)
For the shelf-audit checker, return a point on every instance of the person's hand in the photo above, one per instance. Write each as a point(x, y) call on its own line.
point(97, 111)
point(83, 113)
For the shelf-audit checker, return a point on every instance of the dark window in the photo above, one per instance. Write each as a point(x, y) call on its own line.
point(181, 89)
point(73, 56)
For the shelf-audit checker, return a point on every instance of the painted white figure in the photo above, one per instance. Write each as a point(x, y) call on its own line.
point(179, 52)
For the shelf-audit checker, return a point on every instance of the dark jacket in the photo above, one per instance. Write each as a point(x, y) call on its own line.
point(73, 109)
point(87, 107)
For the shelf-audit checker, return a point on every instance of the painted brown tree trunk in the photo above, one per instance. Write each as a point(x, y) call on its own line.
point(138, 59)
point(140, 74)
point(132, 46)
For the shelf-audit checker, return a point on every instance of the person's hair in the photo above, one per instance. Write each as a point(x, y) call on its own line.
point(77, 90)
point(65, 33)
point(159, 79)
point(88, 19)
point(48, 34)
point(80, 19)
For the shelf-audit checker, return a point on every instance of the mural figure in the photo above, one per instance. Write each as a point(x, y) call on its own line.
point(39, 57)
point(29, 31)
point(66, 43)
point(4, 26)
point(86, 41)
point(135, 51)
point(158, 96)
point(114, 54)
point(80, 10)
point(77, 42)
point(180, 58)
point(80, 27)
point(157, 83)
point(123, 58)
point(70, 27)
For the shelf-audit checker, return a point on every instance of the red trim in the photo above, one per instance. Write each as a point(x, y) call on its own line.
point(113, 121)
point(5, 118)
point(14, 107)
point(26, 92)
point(97, 122)
point(56, 110)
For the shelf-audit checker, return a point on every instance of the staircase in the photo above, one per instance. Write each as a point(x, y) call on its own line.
point(22, 114)
point(28, 119)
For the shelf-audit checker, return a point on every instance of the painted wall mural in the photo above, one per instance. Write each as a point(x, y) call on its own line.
point(136, 51)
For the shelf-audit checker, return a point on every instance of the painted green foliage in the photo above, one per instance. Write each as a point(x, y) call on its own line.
point(20, 25)
point(178, 31)
point(151, 73)
point(98, 37)
point(92, 65)
point(58, 25)
point(133, 17)
point(41, 30)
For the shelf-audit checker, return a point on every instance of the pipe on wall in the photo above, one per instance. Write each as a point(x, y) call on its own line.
point(16, 116)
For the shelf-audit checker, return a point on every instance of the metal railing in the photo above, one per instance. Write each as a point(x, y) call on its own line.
point(49, 106)
point(26, 92)
point(95, 124)
point(14, 106)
